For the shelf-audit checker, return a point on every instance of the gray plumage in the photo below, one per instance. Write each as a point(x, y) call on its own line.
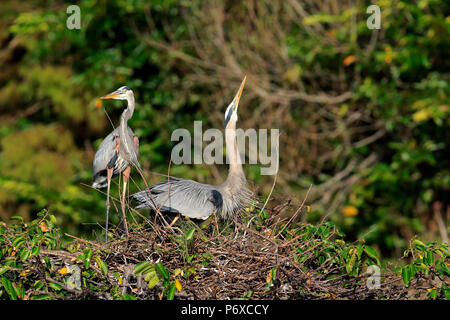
point(117, 153)
point(105, 154)
point(194, 199)
point(198, 200)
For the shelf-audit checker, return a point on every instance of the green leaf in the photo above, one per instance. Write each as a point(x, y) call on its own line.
point(24, 254)
point(17, 242)
point(17, 290)
point(190, 233)
point(419, 243)
point(440, 253)
point(52, 218)
point(406, 276)
point(35, 251)
point(274, 274)
point(38, 284)
point(371, 252)
point(360, 250)
point(433, 293)
point(352, 261)
point(17, 217)
point(412, 270)
point(9, 288)
point(87, 258)
point(150, 275)
point(128, 297)
point(55, 286)
point(162, 271)
point(103, 266)
point(446, 292)
point(171, 293)
point(143, 268)
point(153, 280)
point(3, 270)
point(429, 258)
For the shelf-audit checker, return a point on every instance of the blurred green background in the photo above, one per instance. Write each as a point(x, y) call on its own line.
point(364, 114)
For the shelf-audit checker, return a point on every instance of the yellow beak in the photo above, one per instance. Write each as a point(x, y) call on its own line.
point(239, 93)
point(111, 95)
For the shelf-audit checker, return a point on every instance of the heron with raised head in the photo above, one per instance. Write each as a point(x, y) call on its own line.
point(117, 153)
point(197, 200)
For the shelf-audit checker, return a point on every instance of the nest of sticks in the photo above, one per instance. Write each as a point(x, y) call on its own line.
point(243, 263)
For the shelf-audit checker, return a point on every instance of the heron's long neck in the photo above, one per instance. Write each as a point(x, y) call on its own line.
point(125, 140)
point(127, 114)
point(235, 173)
point(235, 192)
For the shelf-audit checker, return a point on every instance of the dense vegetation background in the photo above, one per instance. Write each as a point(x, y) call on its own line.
point(364, 114)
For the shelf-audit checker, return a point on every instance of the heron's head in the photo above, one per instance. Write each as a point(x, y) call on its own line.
point(231, 116)
point(123, 93)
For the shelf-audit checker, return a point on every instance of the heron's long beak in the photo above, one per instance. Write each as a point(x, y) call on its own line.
point(111, 95)
point(239, 93)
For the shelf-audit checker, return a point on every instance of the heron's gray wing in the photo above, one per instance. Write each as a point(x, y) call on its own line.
point(106, 153)
point(188, 197)
point(102, 157)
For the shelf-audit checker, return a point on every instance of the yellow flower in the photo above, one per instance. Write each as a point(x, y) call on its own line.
point(63, 270)
point(24, 273)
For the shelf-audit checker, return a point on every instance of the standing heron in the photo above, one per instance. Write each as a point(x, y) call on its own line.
point(117, 153)
point(197, 200)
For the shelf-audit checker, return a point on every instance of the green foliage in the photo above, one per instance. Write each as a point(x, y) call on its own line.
point(324, 249)
point(21, 243)
point(42, 155)
point(28, 270)
point(427, 259)
point(153, 274)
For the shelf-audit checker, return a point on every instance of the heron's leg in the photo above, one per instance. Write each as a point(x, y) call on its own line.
point(109, 173)
point(126, 176)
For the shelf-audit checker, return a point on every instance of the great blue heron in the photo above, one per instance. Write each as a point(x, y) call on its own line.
point(198, 200)
point(117, 153)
